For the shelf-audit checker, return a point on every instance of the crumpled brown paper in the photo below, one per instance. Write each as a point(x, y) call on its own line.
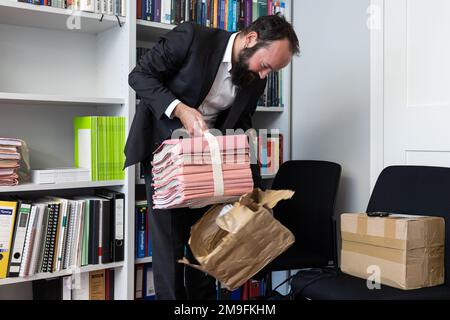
point(236, 245)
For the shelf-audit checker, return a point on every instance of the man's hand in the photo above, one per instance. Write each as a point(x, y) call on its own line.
point(191, 119)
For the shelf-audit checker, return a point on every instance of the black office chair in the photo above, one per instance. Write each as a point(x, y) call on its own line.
point(417, 190)
point(308, 214)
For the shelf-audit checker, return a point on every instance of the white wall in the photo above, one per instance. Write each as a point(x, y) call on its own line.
point(331, 92)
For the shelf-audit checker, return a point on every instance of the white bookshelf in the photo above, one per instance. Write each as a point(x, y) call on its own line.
point(62, 273)
point(267, 176)
point(29, 15)
point(44, 65)
point(269, 109)
point(143, 260)
point(61, 186)
point(47, 65)
point(60, 100)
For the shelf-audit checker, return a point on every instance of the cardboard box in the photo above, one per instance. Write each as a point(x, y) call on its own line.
point(408, 249)
point(233, 242)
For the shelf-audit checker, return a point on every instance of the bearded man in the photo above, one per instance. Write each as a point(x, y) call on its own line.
point(198, 78)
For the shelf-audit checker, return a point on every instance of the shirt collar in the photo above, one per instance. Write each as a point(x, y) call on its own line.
point(227, 57)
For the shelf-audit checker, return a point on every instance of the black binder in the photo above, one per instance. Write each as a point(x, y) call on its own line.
point(117, 206)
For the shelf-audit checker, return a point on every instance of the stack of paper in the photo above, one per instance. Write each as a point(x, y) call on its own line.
point(196, 172)
point(9, 161)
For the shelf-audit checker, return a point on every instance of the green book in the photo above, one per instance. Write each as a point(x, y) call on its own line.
point(111, 149)
point(262, 8)
point(86, 151)
point(101, 148)
point(255, 11)
point(121, 147)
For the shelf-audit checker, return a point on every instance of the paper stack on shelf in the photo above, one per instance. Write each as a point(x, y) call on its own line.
point(196, 172)
point(61, 175)
point(9, 161)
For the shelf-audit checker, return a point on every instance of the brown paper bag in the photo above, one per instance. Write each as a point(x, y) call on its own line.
point(234, 246)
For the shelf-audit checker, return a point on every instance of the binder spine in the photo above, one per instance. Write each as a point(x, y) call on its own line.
point(19, 239)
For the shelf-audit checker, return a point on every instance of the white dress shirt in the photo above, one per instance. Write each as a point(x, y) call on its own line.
point(222, 93)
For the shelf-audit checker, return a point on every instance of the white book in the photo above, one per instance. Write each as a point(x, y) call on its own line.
point(139, 282)
point(87, 5)
point(110, 7)
point(103, 6)
point(97, 6)
point(68, 261)
point(41, 224)
point(62, 232)
point(29, 241)
point(77, 234)
point(123, 11)
point(80, 231)
point(165, 11)
point(80, 287)
point(67, 288)
point(60, 175)
point(150, 287)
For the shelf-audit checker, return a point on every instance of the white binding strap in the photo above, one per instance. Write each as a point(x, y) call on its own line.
point(216, 162)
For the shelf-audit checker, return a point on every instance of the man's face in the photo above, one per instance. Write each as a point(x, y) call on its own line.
point(259, 60)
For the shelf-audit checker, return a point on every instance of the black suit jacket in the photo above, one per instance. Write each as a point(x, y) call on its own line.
point(182, 65)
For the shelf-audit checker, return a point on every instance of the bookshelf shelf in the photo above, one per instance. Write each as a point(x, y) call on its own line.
point(46, 99)
point(155, 25)
point(150, 31)
point(60, 186)
point(269, 109)
point(268, 176)
point(61, 273)
point(143, 260)
point(29, 15)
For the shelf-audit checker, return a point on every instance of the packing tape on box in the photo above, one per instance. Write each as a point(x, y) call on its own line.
point(389, 226)
point(390, 254)
point(216, 163)
point(374, 240)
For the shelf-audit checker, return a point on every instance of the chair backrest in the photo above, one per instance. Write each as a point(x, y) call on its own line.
point(308, 214)
point(419, 190)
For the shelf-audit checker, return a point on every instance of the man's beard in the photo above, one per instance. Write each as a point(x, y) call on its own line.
point(240, 75)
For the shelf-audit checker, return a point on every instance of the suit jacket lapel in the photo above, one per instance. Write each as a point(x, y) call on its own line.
point(211, 65)
point(240, 102)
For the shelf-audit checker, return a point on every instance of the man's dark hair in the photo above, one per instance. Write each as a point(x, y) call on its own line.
point(271, 28)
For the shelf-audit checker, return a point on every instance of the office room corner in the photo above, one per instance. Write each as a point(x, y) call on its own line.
point(222, 155)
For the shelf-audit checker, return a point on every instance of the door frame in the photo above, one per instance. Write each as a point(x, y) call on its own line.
point(377, 9)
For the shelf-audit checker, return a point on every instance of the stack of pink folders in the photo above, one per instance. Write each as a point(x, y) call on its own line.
point(9, 161)
point(186, 174)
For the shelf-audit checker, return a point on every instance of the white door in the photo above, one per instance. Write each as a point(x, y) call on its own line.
point(416, 115)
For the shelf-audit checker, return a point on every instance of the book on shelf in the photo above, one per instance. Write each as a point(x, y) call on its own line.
point(144, 284)
point(140, 178)
point(270, 153)
point(230, 15)
point(99, 144)
point(53, 233)
point(19, 235)
point(8, 211)
point(93, 285)
point(143, 246)
point(117, 206)
point(106, 7)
